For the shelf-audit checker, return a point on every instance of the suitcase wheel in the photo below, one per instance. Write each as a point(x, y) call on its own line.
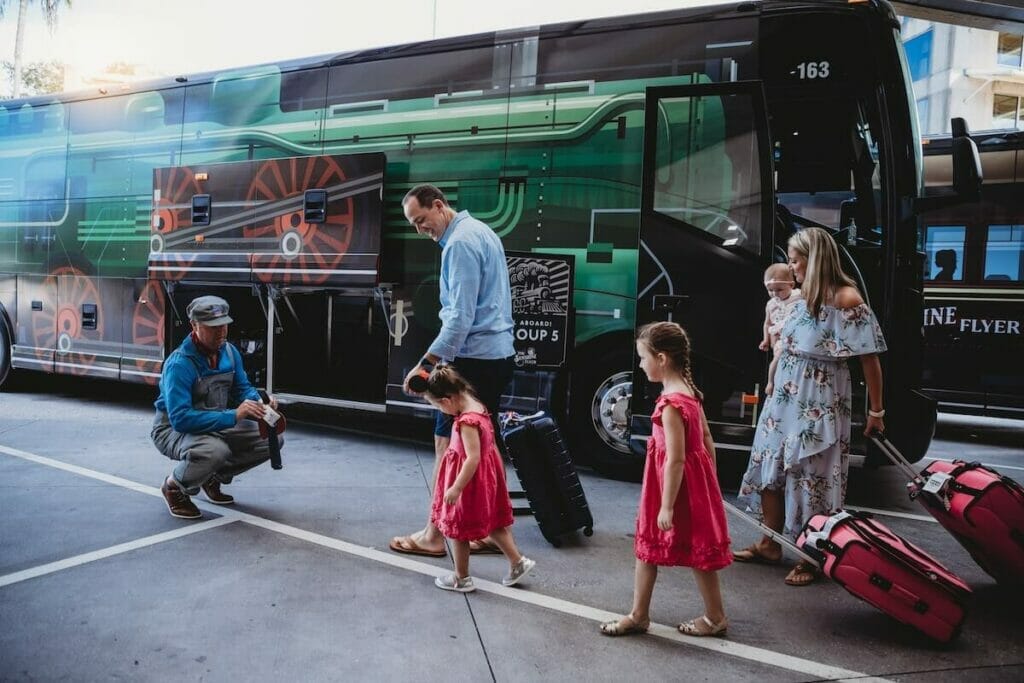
point(553, 540)
point(588, 531)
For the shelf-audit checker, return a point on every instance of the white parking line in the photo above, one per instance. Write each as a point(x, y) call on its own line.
point(727, 647)
point(84, 558)
point(75, 469)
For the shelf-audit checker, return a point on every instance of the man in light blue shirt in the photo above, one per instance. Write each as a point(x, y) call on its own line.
point(476, 325)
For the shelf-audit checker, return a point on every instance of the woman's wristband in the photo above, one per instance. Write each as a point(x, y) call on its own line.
point(879, 414)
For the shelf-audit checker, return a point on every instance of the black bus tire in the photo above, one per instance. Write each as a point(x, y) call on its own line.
point(603, 377)
point(6, 340)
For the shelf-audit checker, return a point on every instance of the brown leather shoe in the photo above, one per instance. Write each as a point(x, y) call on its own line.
point(178, 502)
point(211, 490)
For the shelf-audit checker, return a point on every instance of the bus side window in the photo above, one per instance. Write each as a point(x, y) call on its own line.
point(1004, 253)
point(944, 249)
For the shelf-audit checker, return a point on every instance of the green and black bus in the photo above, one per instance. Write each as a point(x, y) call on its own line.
point(636, 168)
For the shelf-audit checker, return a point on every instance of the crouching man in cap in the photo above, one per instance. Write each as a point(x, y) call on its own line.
point(206, 413)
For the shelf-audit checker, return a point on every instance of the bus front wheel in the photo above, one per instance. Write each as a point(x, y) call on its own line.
point(599, 414)
point(5, 350)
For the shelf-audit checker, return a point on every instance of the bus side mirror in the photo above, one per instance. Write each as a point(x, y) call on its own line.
point(967, 173)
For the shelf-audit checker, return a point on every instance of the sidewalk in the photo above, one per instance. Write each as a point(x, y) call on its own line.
point(296, 582)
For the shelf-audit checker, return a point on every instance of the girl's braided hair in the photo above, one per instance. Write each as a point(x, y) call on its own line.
point(671, 339)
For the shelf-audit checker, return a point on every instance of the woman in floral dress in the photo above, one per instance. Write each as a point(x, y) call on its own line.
point(800, 456)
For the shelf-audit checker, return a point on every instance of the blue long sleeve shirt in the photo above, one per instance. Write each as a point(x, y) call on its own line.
point(476, 300)
point(180, 372)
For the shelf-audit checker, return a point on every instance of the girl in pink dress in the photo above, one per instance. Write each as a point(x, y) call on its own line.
point(681, 519)
point(470, 496)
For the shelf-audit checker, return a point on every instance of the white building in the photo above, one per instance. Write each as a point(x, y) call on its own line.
point(969, 72)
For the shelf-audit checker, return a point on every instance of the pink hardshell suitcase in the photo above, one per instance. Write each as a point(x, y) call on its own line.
point(981, 508)
point(876, 565)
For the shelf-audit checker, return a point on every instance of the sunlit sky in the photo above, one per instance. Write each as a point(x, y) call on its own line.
point(186, 36)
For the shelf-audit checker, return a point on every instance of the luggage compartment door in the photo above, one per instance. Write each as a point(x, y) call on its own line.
point(705, 239)
point(330, 347)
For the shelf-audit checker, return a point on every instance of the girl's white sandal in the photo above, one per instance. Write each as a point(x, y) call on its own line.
point(702, 626)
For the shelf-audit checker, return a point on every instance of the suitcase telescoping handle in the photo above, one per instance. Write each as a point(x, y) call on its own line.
point(897, 458)
point(772, 534)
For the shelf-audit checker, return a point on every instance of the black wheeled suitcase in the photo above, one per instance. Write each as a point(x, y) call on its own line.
point(541, 459)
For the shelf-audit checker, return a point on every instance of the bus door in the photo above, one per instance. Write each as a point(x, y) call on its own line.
point(705, 240)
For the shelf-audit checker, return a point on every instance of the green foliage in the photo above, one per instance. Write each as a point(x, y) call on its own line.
point(50, 9)
point(38, 78)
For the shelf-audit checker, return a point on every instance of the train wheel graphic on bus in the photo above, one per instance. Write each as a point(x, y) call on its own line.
point(172, 265)
point(305, 252)
point(172, 207)
point(148, 325)
point(43, 326)
point(63, 318)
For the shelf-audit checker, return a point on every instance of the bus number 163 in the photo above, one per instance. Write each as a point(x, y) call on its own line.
point(812, 70)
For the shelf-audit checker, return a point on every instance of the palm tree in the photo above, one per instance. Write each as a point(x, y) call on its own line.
point(50, 9)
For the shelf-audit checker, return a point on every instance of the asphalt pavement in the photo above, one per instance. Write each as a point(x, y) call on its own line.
point(296, 582)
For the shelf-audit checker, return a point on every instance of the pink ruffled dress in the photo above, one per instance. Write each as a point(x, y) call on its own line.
point(483, 505)
point(699, 536)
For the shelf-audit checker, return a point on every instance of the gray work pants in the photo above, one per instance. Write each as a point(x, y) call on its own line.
point(216, 455)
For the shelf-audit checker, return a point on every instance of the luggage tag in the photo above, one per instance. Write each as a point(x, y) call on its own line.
point(271, 424)
point(511, 418)
point(270, 416)
point(938, 485)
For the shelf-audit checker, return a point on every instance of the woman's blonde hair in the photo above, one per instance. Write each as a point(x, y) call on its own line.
point(824, 274)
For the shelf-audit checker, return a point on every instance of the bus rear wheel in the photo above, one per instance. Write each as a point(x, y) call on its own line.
point(599, 414)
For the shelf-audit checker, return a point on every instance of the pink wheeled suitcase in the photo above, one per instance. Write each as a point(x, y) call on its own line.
point(876, 565)
point(981, 508)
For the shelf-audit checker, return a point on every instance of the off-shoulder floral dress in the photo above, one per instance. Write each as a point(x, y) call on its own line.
point(803, 436)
